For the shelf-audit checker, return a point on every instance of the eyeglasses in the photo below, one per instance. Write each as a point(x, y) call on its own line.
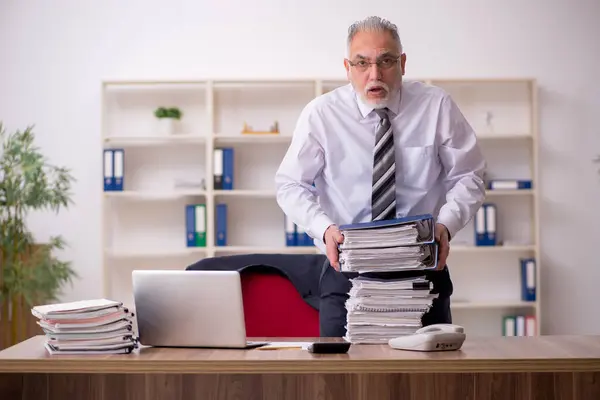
point(384, 63)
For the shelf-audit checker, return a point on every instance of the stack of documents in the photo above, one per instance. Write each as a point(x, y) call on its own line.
point(391, 245)
point(86, 327)
point(382, 309)
point(390, 295)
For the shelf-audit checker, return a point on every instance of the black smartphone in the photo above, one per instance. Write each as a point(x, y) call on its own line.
point(329, 347)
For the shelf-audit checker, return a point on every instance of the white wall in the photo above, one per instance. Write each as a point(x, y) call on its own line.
point(55, 53)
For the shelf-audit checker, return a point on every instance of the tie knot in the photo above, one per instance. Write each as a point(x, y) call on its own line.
point(382, 112)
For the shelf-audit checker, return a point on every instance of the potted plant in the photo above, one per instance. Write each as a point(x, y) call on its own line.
point(167, 117)
point(30, 273)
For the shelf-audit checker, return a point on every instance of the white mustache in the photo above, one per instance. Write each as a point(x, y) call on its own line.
point(373, 84)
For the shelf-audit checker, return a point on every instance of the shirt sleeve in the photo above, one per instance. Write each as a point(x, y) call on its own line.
point(464, 166)
point(302, 163)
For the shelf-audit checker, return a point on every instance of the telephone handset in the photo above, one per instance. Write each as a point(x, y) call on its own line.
point(437, 337)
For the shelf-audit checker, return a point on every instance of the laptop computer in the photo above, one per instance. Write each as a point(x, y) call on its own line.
point(176, 308)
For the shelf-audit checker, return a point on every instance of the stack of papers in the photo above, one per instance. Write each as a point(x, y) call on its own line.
point(402, 244)
point(387, 300)
point(382, 309)
point(86, 327)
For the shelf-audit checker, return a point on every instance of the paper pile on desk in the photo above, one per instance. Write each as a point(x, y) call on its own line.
point(382, 309)
point(86, 327)
point(390, 296)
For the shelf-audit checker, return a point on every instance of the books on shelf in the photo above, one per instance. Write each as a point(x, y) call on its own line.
point(195, 225)
point(113, 166)
point(98, 326)
point(485, 225)
point(390, 295)
point(223, 168)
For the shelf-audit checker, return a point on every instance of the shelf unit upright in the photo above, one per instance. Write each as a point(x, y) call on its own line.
point(143, 226)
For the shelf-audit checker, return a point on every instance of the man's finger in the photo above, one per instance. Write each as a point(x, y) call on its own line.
point(332, 255)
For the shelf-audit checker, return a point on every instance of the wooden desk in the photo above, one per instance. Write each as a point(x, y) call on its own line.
point(546, 367)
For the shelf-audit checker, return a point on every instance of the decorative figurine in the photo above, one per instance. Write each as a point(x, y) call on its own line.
point(273, 130)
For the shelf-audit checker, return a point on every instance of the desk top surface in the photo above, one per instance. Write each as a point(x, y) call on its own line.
point(493, 354)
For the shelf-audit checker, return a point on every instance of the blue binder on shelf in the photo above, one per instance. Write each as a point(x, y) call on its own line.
point(485, 225)
point(228, 173)
point(509, 184)
point(290, 231)
point(221, 222)
point(190, 225)
point(528, 279)
point(114, 168)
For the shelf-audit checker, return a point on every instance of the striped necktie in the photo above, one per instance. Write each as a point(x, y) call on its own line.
point(383, 200)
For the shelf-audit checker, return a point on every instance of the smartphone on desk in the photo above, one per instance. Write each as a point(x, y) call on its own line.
point(329, 347)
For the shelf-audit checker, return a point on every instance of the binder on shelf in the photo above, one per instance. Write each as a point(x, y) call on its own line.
point(119, 167)
point(509, 325)
point(485, 225)
point(218, 169)
point(528, 279)
point(224, 161)
point(302, 238)
point(114, 167)
point(509, 184)
point(290, 231)
point(108, 166)
point(221, 222)
point(518, 325)
point(195, 220)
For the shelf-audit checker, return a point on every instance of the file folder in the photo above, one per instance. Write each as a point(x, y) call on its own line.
point(290, 231)
point(190, 225)
point(200, 233)
point(411, 230)
point(221, 222)
point(228, 172)
point(119, 167)
point(485, 225)
point(109, 175)
point(509, 184)
point(528, 279)
point(218, 169)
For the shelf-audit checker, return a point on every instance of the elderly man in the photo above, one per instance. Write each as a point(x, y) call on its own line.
point(375, 149)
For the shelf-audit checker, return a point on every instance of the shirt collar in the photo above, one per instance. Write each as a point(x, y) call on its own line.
point(393, 104)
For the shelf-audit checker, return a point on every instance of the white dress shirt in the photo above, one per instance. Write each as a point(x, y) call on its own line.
point(439, 166)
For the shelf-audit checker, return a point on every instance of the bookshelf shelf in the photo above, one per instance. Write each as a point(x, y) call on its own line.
point(144, 224)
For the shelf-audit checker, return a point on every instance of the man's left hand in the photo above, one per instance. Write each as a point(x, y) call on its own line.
point(442, 237)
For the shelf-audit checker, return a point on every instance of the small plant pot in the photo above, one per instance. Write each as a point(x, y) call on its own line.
point(166, 126)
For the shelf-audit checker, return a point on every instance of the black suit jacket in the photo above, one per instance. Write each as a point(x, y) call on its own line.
point(303, 270)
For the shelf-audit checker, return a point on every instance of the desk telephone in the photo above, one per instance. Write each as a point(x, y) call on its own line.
point(437, 337)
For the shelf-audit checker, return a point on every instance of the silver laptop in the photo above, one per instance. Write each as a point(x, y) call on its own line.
point(190, 309)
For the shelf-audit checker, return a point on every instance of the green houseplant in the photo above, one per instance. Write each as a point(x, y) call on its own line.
point(30, 273)
point(167, 117)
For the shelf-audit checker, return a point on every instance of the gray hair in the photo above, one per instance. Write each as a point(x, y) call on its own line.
point(374, 24)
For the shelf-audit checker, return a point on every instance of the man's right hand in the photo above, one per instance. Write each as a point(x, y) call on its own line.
point(332, 238)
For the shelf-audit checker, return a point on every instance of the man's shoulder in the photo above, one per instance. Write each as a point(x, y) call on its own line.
point(338, 98)
point(420, 91)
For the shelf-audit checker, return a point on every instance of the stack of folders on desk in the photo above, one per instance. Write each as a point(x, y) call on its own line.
point(391, 294)
point(86, 327)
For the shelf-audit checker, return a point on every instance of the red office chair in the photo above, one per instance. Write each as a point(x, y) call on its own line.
point(274, 308)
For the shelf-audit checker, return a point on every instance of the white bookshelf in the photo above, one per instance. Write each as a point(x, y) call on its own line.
point(144, 225)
